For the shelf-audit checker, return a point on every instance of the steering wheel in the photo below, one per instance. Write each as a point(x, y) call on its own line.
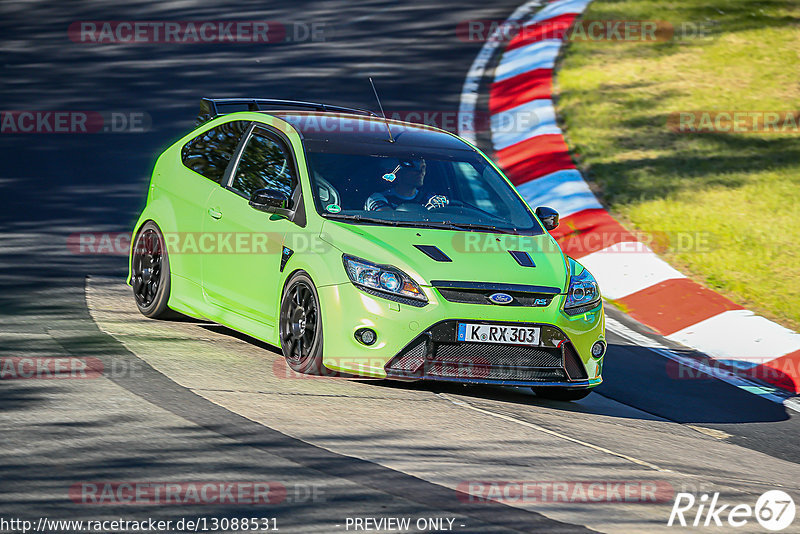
point(411, 207)
point(467, 205)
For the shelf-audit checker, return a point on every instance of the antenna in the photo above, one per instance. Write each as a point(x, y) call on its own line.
point(391, 139)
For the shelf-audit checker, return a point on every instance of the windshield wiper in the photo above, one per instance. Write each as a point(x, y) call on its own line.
point(361, 218)
point(484, 228)
point(389, 222)
point(422, 224)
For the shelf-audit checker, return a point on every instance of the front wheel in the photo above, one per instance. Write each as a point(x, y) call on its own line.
point(562, 394)
point(301, 325)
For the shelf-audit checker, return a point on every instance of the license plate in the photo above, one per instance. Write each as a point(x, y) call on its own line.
point(498, 333)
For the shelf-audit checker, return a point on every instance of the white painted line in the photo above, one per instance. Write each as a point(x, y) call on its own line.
point(564, 191)
point(554, 433)
point(769, 393)
point(472, 82)
point(625, 268)
point(561, 7)
point(522, 122)
point(739, 335)
point(539, 55)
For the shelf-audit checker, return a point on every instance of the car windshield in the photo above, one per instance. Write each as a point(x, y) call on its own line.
point(420, 187)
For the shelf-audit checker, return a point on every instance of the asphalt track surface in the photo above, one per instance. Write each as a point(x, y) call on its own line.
point(197, 402)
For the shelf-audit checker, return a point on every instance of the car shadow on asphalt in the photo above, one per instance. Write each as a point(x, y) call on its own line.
point(594, 404)
point(679, 393)
point(648, 384)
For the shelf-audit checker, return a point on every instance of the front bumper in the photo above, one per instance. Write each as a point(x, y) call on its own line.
point(418, 343)
point(436, 355)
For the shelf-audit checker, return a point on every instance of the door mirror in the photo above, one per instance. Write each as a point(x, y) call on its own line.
point(269, 200)
point(548, 216)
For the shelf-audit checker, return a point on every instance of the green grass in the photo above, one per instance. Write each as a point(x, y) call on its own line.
point(741, 191)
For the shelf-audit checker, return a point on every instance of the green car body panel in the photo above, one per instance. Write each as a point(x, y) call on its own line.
point(243, 290)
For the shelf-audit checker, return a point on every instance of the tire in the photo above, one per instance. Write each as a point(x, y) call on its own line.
point(562, 394)
point(150, 276)
point(300, 325)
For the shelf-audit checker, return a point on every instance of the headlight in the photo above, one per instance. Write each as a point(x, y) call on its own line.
point(383, 278)
point(583, 293)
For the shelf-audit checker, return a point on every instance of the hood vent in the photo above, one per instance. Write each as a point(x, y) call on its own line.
point(523, 258)
point(433, 252)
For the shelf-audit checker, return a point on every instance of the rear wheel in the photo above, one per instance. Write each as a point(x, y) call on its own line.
point(301, 325)
point(562, 394)
point(150, 272)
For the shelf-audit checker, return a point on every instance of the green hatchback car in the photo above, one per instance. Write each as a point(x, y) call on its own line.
point(364, 247)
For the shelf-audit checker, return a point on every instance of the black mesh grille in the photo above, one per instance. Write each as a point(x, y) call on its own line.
point(573, 363)
point(440, 369)
point(412, 359)
point(480, 296)
point(502, 355)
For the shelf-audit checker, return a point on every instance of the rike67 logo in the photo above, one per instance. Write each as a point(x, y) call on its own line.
point(774, 510)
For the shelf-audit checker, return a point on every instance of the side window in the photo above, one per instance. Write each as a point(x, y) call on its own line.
point(209, 153)
point(265, 162)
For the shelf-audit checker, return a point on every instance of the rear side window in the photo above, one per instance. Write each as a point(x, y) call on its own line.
point(209, 153)
point(265, 162)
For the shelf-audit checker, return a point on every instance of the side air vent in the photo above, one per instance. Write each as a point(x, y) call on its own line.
point(523, 258)
point(433, 252)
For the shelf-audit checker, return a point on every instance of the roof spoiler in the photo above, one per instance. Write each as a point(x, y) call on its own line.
point(210, 107)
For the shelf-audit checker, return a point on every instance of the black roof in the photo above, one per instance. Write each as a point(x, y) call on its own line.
point(350, 128)
point(330, 124)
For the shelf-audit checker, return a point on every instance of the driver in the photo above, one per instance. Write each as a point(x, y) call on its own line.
point(407, 180)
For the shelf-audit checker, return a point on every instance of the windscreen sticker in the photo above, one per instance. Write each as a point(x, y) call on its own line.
point(333, 208)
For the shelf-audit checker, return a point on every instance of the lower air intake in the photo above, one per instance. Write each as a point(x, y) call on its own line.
point(436, 354)
point(573, 363)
